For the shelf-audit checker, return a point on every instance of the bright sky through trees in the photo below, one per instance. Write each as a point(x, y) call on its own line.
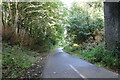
point(68, 3)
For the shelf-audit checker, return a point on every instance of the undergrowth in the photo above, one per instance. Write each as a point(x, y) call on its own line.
point(15, 60)
point(96, 54)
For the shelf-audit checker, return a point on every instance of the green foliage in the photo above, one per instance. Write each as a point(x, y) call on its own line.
point(42, 21)
point(70, 49)
point(97, 55)
point(15, 61)
point(83, 22)
point(47, 29)
point(21, 50)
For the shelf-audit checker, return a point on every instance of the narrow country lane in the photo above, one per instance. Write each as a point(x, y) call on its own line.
point(62, 65)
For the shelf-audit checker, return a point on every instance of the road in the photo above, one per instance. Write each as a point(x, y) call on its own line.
point(62, 65)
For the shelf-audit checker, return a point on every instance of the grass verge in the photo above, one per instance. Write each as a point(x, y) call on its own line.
point(15, 60)
point(96, 55)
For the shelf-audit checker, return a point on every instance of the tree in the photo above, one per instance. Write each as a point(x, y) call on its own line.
point(41, 21)
point(84, 21)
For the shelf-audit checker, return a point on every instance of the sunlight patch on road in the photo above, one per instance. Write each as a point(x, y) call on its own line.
point(77, 72)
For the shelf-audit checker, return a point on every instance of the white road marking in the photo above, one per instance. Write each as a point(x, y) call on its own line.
point(78, 72)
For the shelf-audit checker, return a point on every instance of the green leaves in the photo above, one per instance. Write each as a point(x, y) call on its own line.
point(97, 55)
point(84, 21)
point(15, 60)
point(41, 21)
point(46, 27)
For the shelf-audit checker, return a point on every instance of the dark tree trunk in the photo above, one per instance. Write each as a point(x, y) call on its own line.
point(112, 25)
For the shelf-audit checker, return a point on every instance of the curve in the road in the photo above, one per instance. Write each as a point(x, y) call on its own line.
point(62, 65)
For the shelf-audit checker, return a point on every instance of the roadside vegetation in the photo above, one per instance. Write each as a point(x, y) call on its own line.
point(30, 29)
point(36, 25)
point(96, 54)
point(15, 60)
point(86, 36)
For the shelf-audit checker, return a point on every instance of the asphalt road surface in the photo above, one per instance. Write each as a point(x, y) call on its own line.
point(62, 65)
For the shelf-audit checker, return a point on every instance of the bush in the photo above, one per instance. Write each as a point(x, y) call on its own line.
point(15, 60)
point(97, 55)
point(83, 23)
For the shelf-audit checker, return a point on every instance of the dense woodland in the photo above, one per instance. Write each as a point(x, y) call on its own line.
point(30, 28)
point(35, 24)
point(43, 24)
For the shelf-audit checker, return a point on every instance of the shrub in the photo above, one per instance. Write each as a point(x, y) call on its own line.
point(15, 61)
point(97, 55)
point(83, 23)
